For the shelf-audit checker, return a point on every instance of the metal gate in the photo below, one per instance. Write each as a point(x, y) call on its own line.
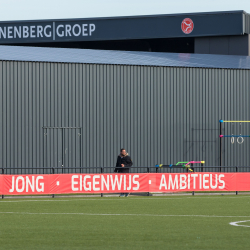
point(62, 149)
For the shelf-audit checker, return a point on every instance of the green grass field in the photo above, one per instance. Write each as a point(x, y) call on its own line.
point(167, 222)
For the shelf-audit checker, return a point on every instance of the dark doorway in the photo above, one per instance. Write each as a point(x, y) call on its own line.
point(62, 149)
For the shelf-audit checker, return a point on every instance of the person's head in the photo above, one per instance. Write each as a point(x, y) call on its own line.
point(123, 152)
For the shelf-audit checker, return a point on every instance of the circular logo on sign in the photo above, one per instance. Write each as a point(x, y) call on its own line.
point(187, 25)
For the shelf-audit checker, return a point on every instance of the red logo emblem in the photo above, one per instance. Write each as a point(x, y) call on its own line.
point(187, 25)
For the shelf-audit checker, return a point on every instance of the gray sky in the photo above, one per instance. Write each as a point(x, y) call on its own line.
point(56, 9)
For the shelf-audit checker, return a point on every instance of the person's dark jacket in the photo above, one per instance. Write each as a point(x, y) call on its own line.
point(126, 160)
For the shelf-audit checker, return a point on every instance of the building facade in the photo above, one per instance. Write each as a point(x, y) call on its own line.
point(70, 108)
point(225, 33)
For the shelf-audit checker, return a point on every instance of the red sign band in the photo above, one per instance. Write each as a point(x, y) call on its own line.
point(119, 183)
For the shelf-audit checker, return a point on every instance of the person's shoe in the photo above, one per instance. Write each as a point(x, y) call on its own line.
point(126, 195)
point(121, 195)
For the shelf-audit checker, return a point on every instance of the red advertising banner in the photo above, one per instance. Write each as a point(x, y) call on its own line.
point(1, 184)
point(122, 183)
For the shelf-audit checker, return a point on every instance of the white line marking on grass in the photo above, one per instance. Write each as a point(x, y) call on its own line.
point(31, 200)
point(236, 223)
point(98, 199)
point(152, 215)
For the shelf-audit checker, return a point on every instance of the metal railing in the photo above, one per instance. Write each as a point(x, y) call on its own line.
point(181, 169)
point(63, 170)
point(106, 170)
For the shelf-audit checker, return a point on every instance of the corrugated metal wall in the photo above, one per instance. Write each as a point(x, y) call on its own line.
point(80, 115)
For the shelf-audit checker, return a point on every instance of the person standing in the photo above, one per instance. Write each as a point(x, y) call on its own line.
point(123, 165)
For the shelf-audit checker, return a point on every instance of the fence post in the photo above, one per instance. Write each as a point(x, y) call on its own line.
point(148, 172)
point(101, 173)
point(220, 144)
point(193, 170)
point(2, 173)
point(236, 170)
point(53, 171)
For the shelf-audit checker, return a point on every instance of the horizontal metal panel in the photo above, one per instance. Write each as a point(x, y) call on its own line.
point(116, 28)
point(88, 56)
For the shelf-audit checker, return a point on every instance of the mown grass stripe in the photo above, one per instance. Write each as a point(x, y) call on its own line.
point(151, 215)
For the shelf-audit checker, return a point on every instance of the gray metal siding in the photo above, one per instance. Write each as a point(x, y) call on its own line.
point(159, 114)
point(224, 45)
point(246, 24)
